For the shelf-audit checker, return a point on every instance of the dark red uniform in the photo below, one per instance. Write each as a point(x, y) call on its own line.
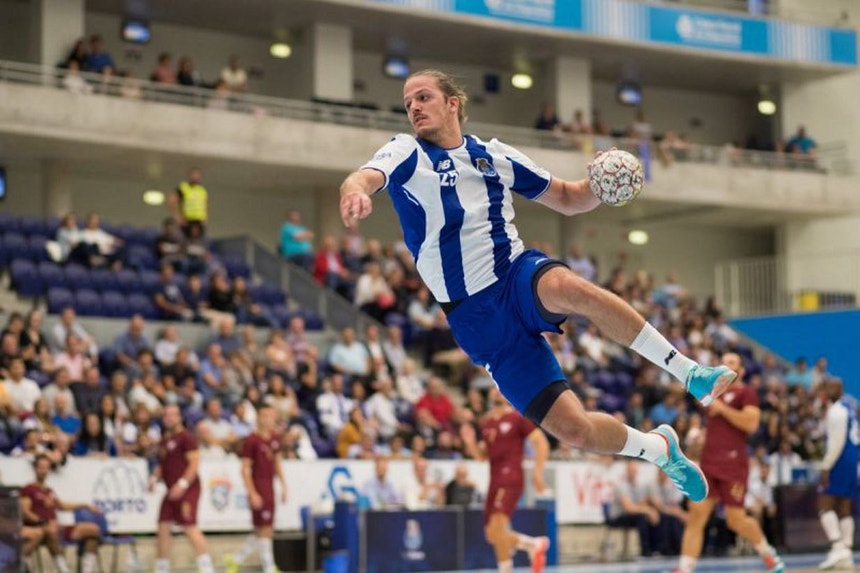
point(504, 437)
point(724, 456)
point(172, 456)
point(44, 503)
point(262, 452)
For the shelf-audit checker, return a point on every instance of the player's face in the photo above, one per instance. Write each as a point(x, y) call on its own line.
point(172, 418)
point(42, 469)
point(496, 399)
point(266, 419)
point(430, 111)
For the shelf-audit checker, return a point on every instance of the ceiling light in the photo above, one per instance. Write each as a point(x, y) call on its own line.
point(521, 81)
point(280, 50)
point(153, 197)
point(637, 237)
point(766, 107)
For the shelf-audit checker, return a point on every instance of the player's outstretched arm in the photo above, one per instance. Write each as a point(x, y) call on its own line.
point(569, 197)
point(541, 449)
point(355, 192)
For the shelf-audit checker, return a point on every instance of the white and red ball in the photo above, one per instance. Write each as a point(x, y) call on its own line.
point(616, 177)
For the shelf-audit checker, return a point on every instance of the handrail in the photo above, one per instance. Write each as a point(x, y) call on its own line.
point(831, 157)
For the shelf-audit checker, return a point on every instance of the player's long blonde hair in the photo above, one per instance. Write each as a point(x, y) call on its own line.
point(450, 88)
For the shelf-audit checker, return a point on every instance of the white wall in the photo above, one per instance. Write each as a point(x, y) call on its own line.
point(724, 117)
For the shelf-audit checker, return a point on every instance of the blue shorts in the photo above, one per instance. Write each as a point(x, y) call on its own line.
point(843, 477)
point(500, 329)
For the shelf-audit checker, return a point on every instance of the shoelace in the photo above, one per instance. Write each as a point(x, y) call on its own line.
point(675, 471)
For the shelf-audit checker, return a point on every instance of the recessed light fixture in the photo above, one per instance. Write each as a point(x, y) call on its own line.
point(153, 197)
point(522, 81)
point(280, 50)
point(637, 237)
point(766, 106)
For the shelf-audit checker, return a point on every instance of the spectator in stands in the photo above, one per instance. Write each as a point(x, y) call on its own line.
point(666, 411)
point(74, 82)
point(279, 356)
point(332, 406)
point(435, 409)
point(378, 364)
point(67, 238)
point(221, 300)
point(547, 120)
point(429, 326)
point(380, 491)
point(69, 324)
point(65, 418)
point(395, 352)
point(110, 417)
point(460, 490)
point(78, 53)
point(118, 391)
point(581, 264)
point(668, 501)
point(578, 126)
point(759, 501)
point(163, 72)
point(350, 357)
point(195, 251)
point(227, 338)
point(186, 75)
point(22, 391)
point(215, 433)
point(190, 203)
point(88, 394)
point(801, 143)
point(351, 433)
point(221, 95)
point(283, 399)
point(34, 344)
point(141, 434)
point(234, 76)
point(248, 311)
point(97, 248)
point(409, 385)
point(9, 350)
point(372, 293)
point(800, 375)
point(169, 244)
point(630, 507)
point(445, 447)
point(424, 492)
point(723, 336)
point(329, 269)
point(59, 387)
point(819, 371)
point(771, 370)
point(210, 377)
point(641, 128)
point(167, 347)
point(73, 359)
point(783, 463)
point(98, 60)
point(93, 440)
point(298, 340)
point(382, 409)
point(296, 241)
point(129, 344)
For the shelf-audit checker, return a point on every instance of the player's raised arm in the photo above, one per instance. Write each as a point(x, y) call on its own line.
point(569, 197)
point(355, 192)
point(746, 419)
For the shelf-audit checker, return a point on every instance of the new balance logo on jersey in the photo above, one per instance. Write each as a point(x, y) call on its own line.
point(669, 358)
point(443, 165)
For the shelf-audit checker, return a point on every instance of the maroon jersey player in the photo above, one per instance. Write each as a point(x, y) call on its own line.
point(39, 505)
point(261, 462)
point(178, 460)
point(731, 419)
point(503, 436)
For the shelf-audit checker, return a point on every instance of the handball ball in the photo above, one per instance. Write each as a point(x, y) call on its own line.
point(615, 177)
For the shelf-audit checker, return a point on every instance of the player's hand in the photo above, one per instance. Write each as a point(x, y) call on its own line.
point(150, 485)
point(256, 500)
point(176, 492)
point(94, 508)
point(653, 516)
point(284, 496)
point(355, 206)
point(824, 479)
point(538, 483)
point(716, 408)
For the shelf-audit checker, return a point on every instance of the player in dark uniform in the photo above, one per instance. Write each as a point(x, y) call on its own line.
point(731, 419)
point(39, 505)
point(261, 462)
point(503, 435)
point(178, 459)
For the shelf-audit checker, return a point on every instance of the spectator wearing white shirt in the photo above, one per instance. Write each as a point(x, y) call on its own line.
point(167, 346)
point(350, 357)
point(216, 434)
point(392, 346)
point(759, 500)
point(782, 464)
point(373, 295)
point(423, 492)
point(100, 248)
point(333, 407)
point(23, 392)
point(382, 409)
point(74, 82)
point(376, 352)
point(234, 77)
point(68, 324)
point(409, 385)
point(59, 387)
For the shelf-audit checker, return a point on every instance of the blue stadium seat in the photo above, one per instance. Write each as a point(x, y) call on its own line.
point(148, 236)
point(282, 314)
point(114, 304)
point(9, 223)
point(141, 304)
point(141, 257)
point(88, 303)
point(25, 278)
point(124, 232)
point(51, 275)
point(272, 294)
point(127, 281)
point(104, 280)
point(36, 248)
point(77, 277)
point(236, 267)
point(50, 226)
point(31, 226)
point(15, 246)
point(313, 321)
point(59, 298)
point(150, 281)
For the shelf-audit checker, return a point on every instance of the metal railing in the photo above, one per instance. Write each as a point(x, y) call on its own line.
point(831, 157)
point(302, 288)
point(812, 13)
point(776, 285)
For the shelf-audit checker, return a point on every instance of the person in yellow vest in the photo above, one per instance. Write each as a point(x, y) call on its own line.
point(190, 203)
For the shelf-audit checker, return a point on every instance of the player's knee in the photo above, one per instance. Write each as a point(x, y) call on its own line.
point(735, 520)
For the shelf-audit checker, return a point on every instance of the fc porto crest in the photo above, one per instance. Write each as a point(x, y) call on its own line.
point(485, 167)
point(219, 491)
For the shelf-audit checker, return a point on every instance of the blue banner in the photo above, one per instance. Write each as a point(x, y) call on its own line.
point(398, 541)
point(668, 26)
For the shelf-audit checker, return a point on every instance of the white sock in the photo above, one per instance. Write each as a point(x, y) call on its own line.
point(646, 446)
point(526, 542)
point(61, 564)
point(506, 566)
point(248, 549)
point(162, 566)
point(88, 563)
point(204, 564)
point(764, 549)
point(687, 564)
point(846, 524)
point(654, 346)
point(830, 524)
point(267, 554)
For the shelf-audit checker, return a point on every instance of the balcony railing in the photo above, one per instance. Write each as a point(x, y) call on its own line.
point(811, 12)
point(828, 158)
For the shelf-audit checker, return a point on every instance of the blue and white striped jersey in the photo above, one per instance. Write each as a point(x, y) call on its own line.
point(456, 209)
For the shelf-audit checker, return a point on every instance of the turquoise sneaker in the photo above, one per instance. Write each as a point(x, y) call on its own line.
point(706, 383)
point(686, 475)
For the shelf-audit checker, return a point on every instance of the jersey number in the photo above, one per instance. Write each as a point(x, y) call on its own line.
point(449, 178)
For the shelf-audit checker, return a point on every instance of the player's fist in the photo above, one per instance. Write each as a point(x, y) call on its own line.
point(716, 408)
point(538, 483)
point(176, 491)
point(256, 500)
point(355, 206)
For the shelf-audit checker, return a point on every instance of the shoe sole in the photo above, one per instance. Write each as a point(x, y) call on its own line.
point(672, 431)
point(721, 385)
point(539, 559)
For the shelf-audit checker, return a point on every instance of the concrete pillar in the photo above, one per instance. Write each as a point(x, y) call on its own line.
point(332, 62)
point(570, 81)
point(56, 188)
point(54, 27)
